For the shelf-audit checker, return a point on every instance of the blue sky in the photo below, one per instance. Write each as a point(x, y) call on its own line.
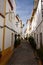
point(24, 9)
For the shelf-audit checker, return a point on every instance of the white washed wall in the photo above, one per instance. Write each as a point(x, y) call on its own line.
point(28, 25)
point(1, 32)
point(35, 24)
point(2, 7)
point(17, 28)
point(8, 32)
point(7, 38)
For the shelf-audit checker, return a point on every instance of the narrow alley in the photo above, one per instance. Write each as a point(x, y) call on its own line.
point(21, 32)
point(23, 55)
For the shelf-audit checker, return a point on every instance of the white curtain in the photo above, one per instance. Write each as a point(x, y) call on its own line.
point(2, 7)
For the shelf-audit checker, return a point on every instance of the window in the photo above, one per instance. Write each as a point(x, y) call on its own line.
point(16, 24)
point(34, 35)
point(41, 0)
point(42, 7)
point(40, 39)
point(42, 13)
point(12, 39)
point(37, 38)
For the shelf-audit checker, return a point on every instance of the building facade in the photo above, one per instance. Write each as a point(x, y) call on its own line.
point(7, 19)
point(28, 28)
point(37, 24)
point(18, 25)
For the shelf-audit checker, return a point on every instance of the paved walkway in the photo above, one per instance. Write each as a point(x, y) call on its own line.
point(23, 55)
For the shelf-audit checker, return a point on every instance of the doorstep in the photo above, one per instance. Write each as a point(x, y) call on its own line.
point(6, 54)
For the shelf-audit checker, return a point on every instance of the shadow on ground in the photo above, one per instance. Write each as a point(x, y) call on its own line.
point(23, 55)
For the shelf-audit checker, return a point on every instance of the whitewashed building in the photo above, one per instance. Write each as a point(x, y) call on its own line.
point(18, 25)
point(37, 23)
point(7, 19)
point(35, 26)
point(28, 28)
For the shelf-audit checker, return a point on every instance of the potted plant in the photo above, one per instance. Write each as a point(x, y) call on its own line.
point(32, 42)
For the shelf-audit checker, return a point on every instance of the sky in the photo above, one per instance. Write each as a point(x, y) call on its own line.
point(24, 9)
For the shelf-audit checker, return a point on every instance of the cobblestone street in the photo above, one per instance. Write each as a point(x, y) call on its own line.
point(23, 55)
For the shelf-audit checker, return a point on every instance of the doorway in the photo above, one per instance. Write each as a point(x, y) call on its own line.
point(12, 40)
point(40, 39)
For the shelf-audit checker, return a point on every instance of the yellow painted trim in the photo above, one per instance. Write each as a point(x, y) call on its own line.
point(4, 52)
point(4, 24)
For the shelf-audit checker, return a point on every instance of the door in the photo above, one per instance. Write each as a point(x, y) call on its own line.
point(40, 39)
point(37, 38)
point(12, 40)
